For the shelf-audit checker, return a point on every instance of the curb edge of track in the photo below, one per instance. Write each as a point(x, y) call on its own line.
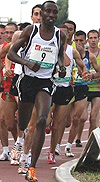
point(62, 173)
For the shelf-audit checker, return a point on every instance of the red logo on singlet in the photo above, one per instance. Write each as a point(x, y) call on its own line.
point(37, 47)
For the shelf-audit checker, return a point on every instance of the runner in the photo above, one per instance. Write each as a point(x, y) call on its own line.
point(37, 75)
point(81, 88)
point(8, 103)
point(61, 104)
point(94, 91)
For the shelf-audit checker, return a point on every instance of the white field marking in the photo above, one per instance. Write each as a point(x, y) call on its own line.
point(62, 145)
point(11, 139)
point(67, 132)
point(54, 167)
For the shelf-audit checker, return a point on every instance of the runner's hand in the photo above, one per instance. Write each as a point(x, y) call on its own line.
point(62, 72)
point(33, 66)
point(86, 76)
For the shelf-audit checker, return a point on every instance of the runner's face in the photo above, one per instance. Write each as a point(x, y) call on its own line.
point(9, 31)
point(36, 17)
point(93, 39)
point(50, 13)
point(71, 30)
point(80, 42)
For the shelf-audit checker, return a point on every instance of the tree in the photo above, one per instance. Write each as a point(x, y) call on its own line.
point(63, 11)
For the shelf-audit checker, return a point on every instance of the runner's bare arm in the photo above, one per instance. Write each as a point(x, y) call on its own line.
point(12, 54)
point(79, 62)
point(8, 71)
point(61, 55)
point(5, 50)
point(93, 62)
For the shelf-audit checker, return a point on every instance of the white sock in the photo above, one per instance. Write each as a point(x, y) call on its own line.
point(20, 140)
point(6, 149)
point(68, 145)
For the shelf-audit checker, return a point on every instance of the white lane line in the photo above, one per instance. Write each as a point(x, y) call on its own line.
point(67, 132)
point(11, 139)
point(85, 141)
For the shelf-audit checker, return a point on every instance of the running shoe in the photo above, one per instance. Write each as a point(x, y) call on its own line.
point(14, 162)
point(23, 167)
point(24, 164)
point(5, 157)
point(51, 158)
point(57, 149)
point(31, 175)
point(16, 151)
point(68, 152)
point(78, 143)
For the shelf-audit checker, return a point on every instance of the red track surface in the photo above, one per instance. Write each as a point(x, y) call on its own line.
point(45, 172)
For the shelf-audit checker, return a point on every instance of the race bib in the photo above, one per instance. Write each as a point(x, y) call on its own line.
point(44, 55)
